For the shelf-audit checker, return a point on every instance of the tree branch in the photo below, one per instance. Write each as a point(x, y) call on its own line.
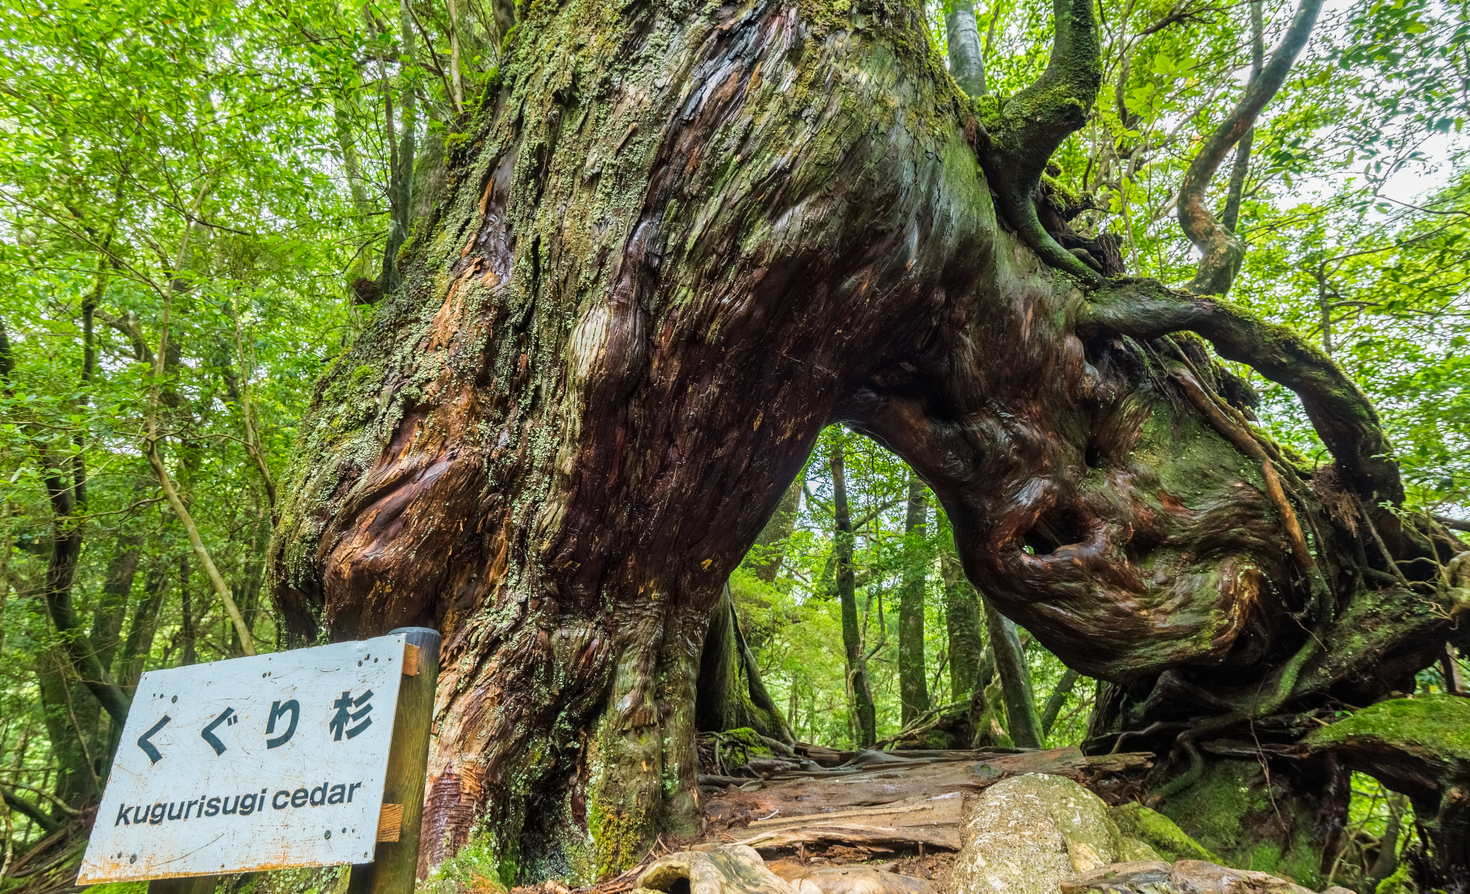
point(1222, 250)
point(1339, 411)
point(1241, 166)
point(966, 64)
point(29, 810)
point(1022, 132)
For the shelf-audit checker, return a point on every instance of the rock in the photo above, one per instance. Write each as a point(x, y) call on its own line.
point(737, 869)
point(1184, 877)
point(1026, 834)
point(725, 870)
point(1141, 877)
point(849, 880)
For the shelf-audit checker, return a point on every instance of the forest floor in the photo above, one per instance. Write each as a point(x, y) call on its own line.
point(899, 813)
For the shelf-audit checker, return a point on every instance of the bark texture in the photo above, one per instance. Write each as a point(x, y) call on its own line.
point(680, 240)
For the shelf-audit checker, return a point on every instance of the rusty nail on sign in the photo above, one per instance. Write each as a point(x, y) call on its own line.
point(258, 761)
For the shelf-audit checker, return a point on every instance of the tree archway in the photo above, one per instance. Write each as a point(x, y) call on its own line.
point(678, 241)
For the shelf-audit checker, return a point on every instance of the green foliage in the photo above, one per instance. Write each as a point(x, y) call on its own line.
point(794, 624)
point(183, 193)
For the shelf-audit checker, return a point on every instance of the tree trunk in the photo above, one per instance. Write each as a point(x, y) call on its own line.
point(769, 549)
point(117, 587)
point(680, 240)
point(864, 722)
point(188, 619)
point(142, 629)
point(962, 622)
point(72, 741)
point(1057, 699)
point(729, 693)
point(913, 685)
point(1022, 721)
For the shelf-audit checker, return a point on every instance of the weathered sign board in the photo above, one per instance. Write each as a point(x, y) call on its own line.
point(251, 764)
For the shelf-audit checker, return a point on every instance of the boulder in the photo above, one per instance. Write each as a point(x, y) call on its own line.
point(1025, 835)
point(724, 870)
point(855, 879)
point(737, 869)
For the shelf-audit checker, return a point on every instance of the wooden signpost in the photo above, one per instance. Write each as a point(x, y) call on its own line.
point(313, 757)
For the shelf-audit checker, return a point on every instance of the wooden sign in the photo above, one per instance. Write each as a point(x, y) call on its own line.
point(255, 763)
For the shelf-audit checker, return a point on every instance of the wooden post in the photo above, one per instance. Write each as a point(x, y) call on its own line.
point(395, 865)
point(194, 884)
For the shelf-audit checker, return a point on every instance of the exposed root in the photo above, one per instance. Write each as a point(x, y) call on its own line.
point(1247, 444)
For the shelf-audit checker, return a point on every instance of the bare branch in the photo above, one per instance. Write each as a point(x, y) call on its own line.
point(1222, 250)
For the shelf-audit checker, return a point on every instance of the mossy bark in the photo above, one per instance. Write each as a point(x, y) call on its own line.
point(967, 650)
point(1280, 817)
point(679, 241)
point(863, 719)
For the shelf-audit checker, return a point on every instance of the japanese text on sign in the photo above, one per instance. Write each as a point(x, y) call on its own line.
point(255, 763)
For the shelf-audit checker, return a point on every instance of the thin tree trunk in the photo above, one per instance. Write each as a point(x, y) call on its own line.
point(76, 780)
point(860, 694)
point(400, 160)
point(5, 548)
point(347, 146)
point(962, 625)
point(729, 693)
point(966, 58)
point(1057, 699)
point(912, 675)
point(454, 75)
point(188, 620)
point(504, 12)
point(66, 548)
point(9, 832)
point(1240, 167)
point(142, 629)
point(1022, 722)
point(117, 586)
point(769, 549)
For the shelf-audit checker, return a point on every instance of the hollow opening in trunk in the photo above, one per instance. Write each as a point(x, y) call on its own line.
point(1057, 527)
